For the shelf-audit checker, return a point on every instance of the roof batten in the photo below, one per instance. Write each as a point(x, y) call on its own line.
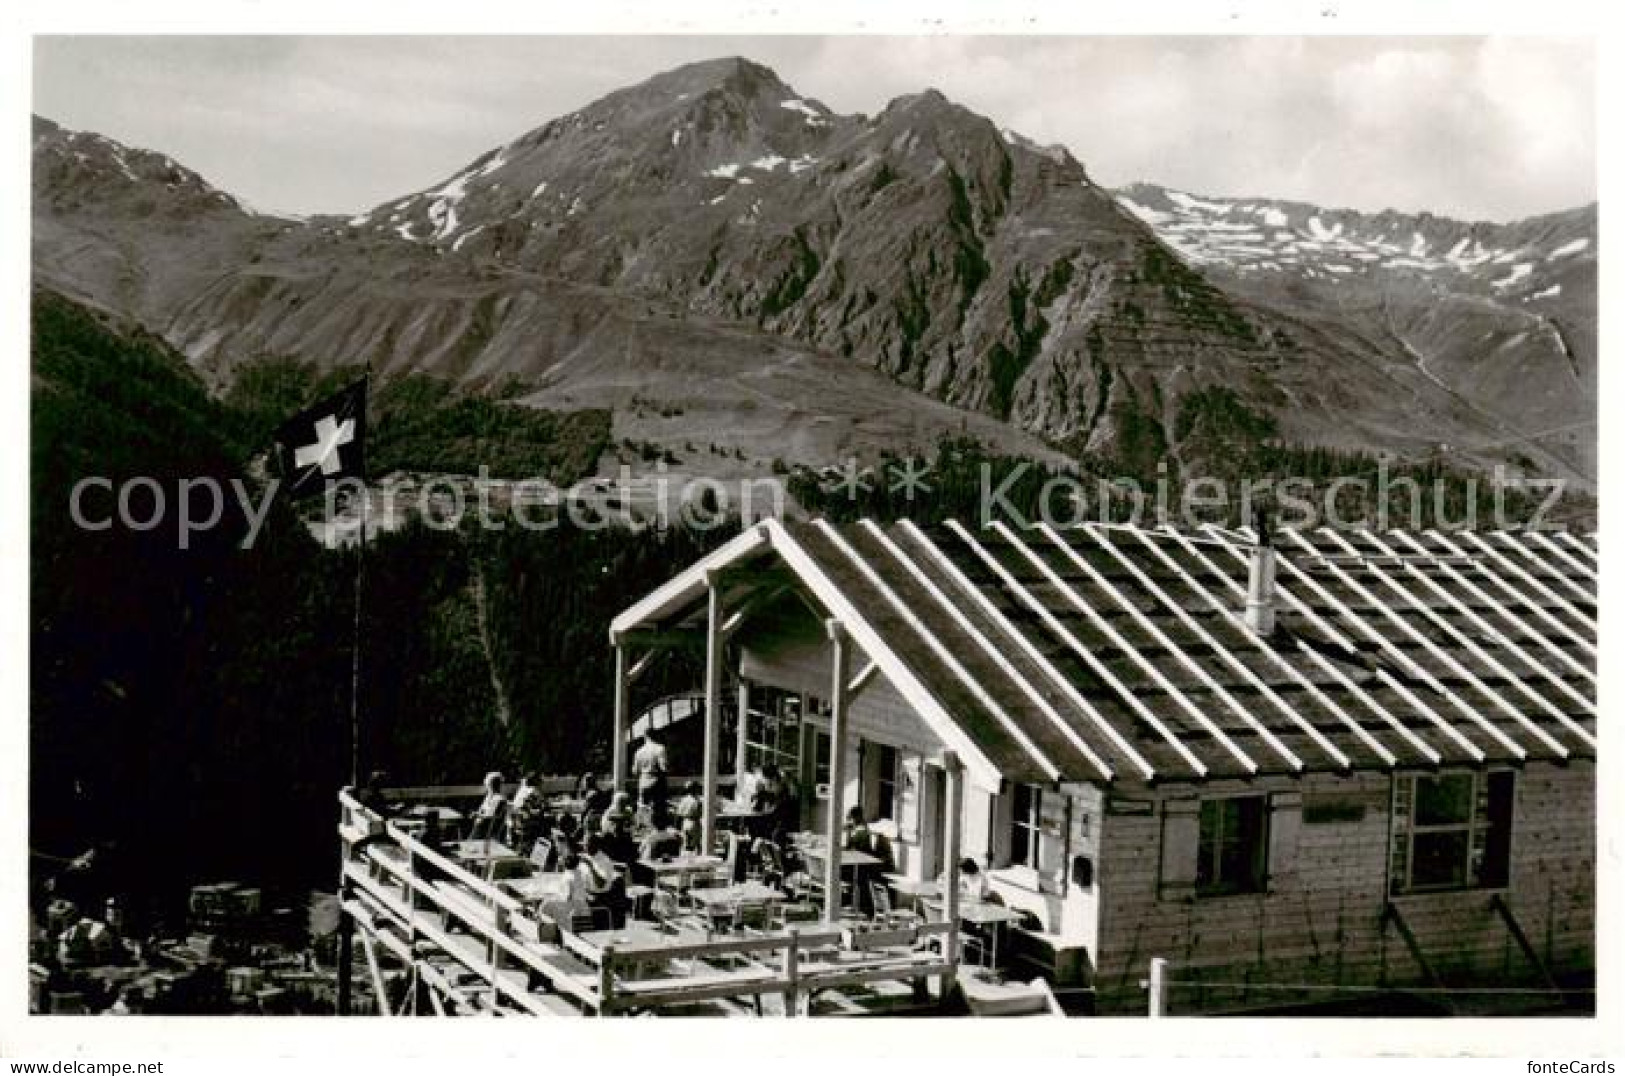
point(1185, 659)
point(1557, 599)
point(1231, 660)
point(1515, 680)
point(1506, 614)
point(987, 648)
point(1127, 647)
point(1563, 555)
point(936, 645)
point(1471, 712)
point(1479, 685)
point(1422, 747)
point(1096, 666)
point(1383, 674)
point(993, 613)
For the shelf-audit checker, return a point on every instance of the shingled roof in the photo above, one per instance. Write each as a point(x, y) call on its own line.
point(1100, 652)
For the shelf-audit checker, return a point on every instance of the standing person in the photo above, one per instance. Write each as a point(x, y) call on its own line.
point(650, 766)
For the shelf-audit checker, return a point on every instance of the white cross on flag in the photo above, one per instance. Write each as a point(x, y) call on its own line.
point(324, 443)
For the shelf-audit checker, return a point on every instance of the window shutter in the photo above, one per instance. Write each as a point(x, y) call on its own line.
point(909, 780)
point(1286, 817)
point(1181, 834)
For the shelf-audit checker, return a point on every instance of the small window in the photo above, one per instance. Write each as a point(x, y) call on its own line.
point(1231, 846)
point(1026, 826)
point(886, 783)
point(1451, 831)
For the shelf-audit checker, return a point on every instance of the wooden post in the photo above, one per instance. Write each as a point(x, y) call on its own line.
point(952, 820)
point(713, 710)
point(345, 958)
point(792, 972)
point(841, 658)
point(346, 927)
point(606, 979)
point(741, 734)
point(1157, 987)
point(618, 744)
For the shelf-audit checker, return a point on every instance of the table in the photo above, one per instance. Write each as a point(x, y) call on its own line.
point(480, 857)
point(679, 869)
point(917, 890)
point(748, 892)
point(447, 815)
point(851, 859)
point(986, 913)
point(640, 935)
point(554, 885)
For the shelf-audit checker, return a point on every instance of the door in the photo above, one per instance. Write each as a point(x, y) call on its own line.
point(933, 798)
point(814, 778)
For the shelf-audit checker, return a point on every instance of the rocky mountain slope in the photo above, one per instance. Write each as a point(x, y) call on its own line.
point(712, 254)
point(1502, 315)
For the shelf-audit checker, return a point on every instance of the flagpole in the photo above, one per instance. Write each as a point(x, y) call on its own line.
point(355, 635)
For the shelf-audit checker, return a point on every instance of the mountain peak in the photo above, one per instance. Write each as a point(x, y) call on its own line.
point(733, 74)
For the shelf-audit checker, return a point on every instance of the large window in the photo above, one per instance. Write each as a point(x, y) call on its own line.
point(773, 730)
point(1451, 831)
point(1232, 846)
point(1026, 826)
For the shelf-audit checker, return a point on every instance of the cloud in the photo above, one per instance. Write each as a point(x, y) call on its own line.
point(1477, 127)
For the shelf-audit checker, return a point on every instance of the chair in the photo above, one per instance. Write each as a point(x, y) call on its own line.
point(592, 919)
point(663, 907)
point(880, 892)
point(541, 853)
point(503, 870)
point(730, 861)
point(557, 910)
point(755, 916)
point(769, 866)
point(722, 917)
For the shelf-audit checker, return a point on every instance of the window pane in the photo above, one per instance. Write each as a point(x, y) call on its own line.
point(1493, 868)
point(1444, 800)
point(1019, 845)
point(1439, 860)
point(1230, 844)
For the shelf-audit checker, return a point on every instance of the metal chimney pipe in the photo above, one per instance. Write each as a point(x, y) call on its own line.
point(1260, 616)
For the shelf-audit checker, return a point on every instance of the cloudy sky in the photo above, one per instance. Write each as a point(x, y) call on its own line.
point(1482, 128)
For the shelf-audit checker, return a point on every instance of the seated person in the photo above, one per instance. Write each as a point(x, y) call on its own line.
point(619, 814)
point(575, 877)
point(601, 876)
point(371, 795)
point(750, 783)
point(493, 809)
point(860, 838)
point(595, 798)
point(664, 840)
point(766, 797)
point(972, 882)
point(690, 812)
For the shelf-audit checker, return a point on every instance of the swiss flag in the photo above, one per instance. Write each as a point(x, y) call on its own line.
point(324, 443)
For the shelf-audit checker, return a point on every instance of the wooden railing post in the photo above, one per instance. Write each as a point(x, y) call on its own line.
point(346, 953)
point(792, 973)
point(606, 979)
point(1157, 988)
